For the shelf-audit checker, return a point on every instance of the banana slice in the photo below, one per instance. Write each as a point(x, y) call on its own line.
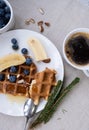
point(11, 60)
point(37, 48)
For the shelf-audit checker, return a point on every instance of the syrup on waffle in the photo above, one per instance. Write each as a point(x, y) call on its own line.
point(42, 85)
point(21, 85)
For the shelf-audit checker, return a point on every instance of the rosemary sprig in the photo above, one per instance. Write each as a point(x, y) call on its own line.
point(49, 104)
point(53, 103)
point(58, 101)
point(52, 98)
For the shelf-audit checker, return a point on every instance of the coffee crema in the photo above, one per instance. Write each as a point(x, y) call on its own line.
point(77, 48)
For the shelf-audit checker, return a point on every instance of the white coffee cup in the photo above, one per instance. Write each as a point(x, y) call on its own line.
point(84, 68)
point(11, 22)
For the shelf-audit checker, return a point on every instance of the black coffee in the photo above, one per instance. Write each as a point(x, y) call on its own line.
point(77, 48)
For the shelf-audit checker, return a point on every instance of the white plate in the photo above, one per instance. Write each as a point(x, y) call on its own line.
point(12, 105)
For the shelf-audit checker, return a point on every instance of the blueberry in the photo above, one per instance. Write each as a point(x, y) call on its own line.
point(1, 23)
point(7, 9)
point(14, 41)
point(13, 69)
point(12, 78)
point(2, 12)
point(2, 4)
point(26, 72)
point(2, 77)
point(28, 61)
point(7, 16)
point(1, 26)
point(15, 46)
point(24, 51)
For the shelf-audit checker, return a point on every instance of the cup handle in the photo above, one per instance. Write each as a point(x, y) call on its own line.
point(86, 72)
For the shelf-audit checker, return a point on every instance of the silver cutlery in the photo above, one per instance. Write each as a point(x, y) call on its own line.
point(29, 111)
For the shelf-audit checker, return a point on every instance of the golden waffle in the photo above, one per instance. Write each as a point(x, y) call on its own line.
point(21, 85)
point(42, 85)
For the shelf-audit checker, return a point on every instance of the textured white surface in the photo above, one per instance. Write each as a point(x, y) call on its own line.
point(64, 15)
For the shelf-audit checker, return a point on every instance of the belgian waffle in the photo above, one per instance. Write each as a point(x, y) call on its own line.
point(21, 86)
point(42, 85)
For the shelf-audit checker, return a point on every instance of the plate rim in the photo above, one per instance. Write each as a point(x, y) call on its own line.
point(47, 40)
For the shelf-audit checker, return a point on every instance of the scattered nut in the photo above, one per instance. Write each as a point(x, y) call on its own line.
point(41, 11)
point(47, 24)
point(41, 29)
point(27, 22)
point(40, 23)
point(32, 20)
point(21, 81)
point(8, 76)
point(18, 75)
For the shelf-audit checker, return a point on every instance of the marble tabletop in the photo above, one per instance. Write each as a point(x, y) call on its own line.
point(63, 16)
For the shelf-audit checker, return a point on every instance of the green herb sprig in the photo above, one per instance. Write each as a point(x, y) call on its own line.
point(54, 100)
